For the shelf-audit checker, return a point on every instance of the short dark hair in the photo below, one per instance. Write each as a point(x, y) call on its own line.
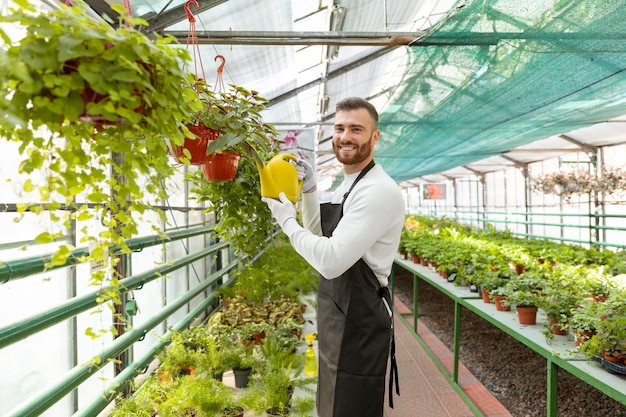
point(355, 103)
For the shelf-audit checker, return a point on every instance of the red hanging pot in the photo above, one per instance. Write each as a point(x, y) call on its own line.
point(197, 147)
point(221, 166)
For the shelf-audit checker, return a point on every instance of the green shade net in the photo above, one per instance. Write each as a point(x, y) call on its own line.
point(498, 74)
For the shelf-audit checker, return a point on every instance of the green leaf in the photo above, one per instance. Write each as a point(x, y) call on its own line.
point(44, 237)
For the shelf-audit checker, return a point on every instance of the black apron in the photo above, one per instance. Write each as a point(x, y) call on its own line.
point(355, 335)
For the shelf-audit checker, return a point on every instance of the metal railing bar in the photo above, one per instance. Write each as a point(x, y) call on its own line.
point(48, 397)
point(12, 270)
point(23, 328)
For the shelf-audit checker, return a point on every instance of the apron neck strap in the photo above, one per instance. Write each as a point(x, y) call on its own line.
point(361, 175)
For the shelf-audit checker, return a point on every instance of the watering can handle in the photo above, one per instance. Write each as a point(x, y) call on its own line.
point(286, 156)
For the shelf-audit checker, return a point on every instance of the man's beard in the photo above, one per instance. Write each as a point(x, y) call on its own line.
point(362, 152)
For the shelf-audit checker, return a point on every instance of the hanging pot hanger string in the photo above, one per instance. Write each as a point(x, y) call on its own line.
point(192, 39)
point(219, 80)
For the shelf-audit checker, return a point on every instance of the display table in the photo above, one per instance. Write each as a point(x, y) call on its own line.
point(560, 351)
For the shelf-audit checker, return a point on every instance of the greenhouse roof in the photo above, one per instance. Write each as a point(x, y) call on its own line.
point(464, 87)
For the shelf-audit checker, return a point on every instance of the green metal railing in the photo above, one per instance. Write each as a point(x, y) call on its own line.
point(12, 270)
point(503, 218)
point(14, 332)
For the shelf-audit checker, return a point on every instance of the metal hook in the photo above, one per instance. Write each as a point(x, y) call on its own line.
point(221, 67)
point(190, 16)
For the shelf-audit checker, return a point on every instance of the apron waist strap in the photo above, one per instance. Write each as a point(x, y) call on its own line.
point(383, 293)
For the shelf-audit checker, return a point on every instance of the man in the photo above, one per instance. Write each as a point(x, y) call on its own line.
point(351, 241)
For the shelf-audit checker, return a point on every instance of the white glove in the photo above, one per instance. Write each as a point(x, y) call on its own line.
point(282, 210)
point(307, 175)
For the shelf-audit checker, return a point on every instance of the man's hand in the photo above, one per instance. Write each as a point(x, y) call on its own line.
point(282, 210)
point(307, 175)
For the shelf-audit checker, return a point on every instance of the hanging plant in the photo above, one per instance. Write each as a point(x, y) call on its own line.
point(241, 217)
point(104, 158)
point(580, 181)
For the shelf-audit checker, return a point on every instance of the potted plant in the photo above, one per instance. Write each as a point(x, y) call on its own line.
point(560, 295)
point(524, 293)
point(235, 125)
point(583, 321)
point(278, 374)
point(92, 140)
point(610, 338)
point(144, 401)
point(201, 396)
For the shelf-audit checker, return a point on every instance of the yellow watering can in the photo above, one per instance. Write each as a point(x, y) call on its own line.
point(280, 176)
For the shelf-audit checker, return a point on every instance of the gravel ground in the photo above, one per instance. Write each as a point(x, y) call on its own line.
point(518, 381)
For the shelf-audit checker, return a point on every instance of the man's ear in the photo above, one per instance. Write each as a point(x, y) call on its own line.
point(376, 136)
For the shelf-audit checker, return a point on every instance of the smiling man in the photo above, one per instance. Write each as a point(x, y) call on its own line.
point(351, 241)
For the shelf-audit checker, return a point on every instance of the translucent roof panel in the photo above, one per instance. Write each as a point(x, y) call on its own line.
point(460, 84)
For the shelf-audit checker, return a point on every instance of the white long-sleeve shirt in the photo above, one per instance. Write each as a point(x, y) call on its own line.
point(373, 216)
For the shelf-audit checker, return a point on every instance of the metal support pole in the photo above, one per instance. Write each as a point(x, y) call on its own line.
point(415, 308)
point(457, 338)
point(552, 389)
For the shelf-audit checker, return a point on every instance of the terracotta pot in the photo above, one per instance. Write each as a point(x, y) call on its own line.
point(221, 166)
point(416, 259)
point(613, 359)
point(554, 326)
point(499, 301)
point(581, 337)
point(485, 294)
point(527, 315)
point(423, 262)
point(197, 147)
point(598, 298)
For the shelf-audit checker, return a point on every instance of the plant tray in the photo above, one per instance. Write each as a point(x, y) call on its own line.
point(612, 367)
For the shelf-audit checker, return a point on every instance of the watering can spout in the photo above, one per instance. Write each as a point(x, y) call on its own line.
point(280, 176)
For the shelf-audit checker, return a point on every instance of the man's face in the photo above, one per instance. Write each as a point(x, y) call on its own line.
point(353, 138)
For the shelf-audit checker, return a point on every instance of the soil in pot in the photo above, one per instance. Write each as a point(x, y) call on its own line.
point(277, 411)
point(234, 411)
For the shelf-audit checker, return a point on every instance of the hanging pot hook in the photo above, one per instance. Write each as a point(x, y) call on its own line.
point(221, 67)
point(190, 16)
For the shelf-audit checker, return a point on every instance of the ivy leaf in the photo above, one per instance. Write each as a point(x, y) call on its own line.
point(44, 237)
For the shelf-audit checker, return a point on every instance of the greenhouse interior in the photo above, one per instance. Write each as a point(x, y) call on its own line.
point(138, 278)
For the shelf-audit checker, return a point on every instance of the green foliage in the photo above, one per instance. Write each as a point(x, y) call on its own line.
point(200, 396)
point(242, 219)
point(144, 401)
point(278, 374)
point(279, 272)
point(110, 153)
point(195, 347)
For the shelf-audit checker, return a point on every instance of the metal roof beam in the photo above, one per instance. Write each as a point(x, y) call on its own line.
point(333, 74)
point(589, 149)
point(300, 38)
point(104, 10)
point(158, 22)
